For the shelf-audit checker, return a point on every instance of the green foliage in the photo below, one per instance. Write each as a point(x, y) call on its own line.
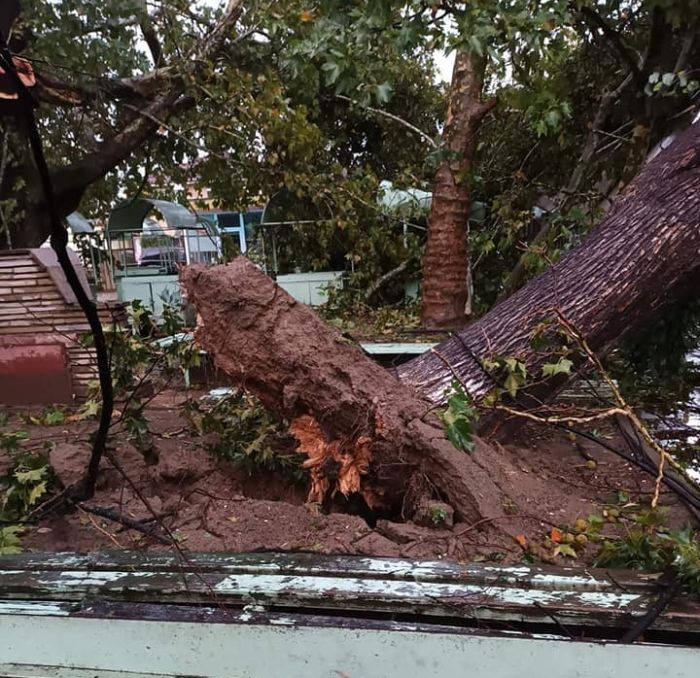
point(363, 321)
point(562, 366)
point(24, 484)
point(52, 416)
point(10, 541)
point(510, 372)
point(239, 429)
point(671, 84)
point(10, 440)
point(650, 546)
point(459, 418)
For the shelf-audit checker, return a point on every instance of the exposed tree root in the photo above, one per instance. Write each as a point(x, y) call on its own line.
point(362, 430)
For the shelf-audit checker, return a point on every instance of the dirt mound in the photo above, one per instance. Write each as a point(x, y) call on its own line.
point(210, 505)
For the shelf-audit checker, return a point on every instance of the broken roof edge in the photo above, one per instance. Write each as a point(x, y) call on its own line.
point(47, 259)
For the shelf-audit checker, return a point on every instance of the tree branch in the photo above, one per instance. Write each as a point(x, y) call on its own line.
point(70, 182)
point(385, 279)
point(686, 47)
point(53, 90)
point(615, 40)
point(152, 40)
point(378, 111)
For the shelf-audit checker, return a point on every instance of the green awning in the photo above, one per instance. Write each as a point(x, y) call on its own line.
point(129, 216)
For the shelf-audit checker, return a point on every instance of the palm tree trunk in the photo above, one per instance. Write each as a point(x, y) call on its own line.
point(445, 295)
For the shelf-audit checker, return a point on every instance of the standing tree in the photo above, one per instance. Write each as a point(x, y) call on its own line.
point(446, 260)
point(113, 115)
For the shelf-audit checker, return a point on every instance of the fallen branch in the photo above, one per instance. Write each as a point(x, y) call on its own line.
point(125, 521)
point(385, 279)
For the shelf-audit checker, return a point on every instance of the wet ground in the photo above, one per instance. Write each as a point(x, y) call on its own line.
point(208, 504)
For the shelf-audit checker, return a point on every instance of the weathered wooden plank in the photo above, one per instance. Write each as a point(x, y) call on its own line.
point(312, 564)
point(569, 578)
point(430, 598)
point(478, 592)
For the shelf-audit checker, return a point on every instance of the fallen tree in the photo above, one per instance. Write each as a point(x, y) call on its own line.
point(365, 431)
point(362, 430)
point(645, 254)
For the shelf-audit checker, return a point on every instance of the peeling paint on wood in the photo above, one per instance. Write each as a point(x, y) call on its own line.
point(339, 584)
point(260, 615)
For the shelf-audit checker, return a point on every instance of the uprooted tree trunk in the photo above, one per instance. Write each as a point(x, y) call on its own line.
point(362, 430)
point(643, 255)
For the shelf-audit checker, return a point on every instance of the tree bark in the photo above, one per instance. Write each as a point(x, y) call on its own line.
point(445, 293)
point(363, 430)
point(644, 254)
point(366, 432)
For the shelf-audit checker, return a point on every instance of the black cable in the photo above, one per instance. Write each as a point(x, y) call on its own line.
point(59, 243)
point(670, 584)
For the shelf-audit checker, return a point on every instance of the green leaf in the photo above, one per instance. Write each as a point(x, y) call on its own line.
point(89, 410)
point(668, 79)
point(563, 366)
point(383, 92)
point(9, 540)
point(54, 417)
point(36, 493)
point(489, 365)
point(332, 71)
point(476, 45)
point(30, 476)
point(459, 419)
point(565, 550)
point(511, 385)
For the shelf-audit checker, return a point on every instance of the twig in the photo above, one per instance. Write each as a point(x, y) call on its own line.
point(603, 414)
point(661, 603)
point(101, 530)
point(551, 615)
point(131, 523)
point(378, 111)
point(628, 412)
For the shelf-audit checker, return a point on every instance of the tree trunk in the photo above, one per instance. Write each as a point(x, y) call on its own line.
point(644, 254)
point(364, 432)
point(445, 295)
point(367, 433)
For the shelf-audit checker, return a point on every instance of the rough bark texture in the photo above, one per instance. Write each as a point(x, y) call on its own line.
point(644, 254)
point(445, 294)
point(351, 415)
